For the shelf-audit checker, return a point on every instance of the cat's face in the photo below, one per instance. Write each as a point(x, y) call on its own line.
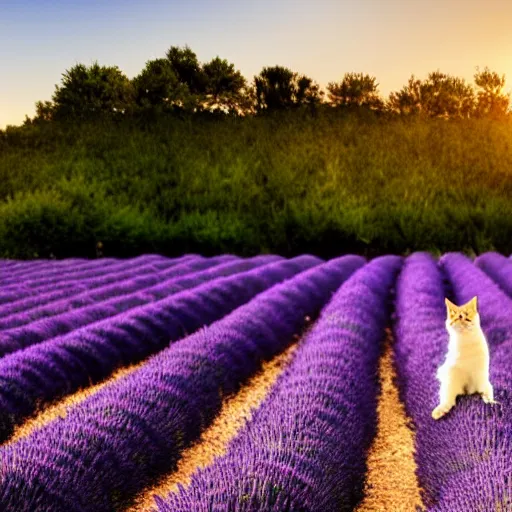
point(462, 318)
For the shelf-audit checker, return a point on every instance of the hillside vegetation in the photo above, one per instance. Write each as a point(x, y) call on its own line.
point(189, 156)
point(285, 182)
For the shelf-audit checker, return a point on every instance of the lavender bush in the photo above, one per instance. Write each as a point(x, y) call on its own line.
point(118, 440)
point(304, 449)
point(45, 279)
point(21, 268)
point(69, 286)
point(36, 272)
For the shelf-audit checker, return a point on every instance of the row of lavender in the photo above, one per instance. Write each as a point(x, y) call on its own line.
point(305, 447)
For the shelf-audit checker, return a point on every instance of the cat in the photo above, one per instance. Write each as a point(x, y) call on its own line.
point(466, 368)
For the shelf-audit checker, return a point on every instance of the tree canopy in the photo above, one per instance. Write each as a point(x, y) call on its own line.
point(180, 82)
point(225, 87)
point(158, 86)
point(88, 91)
point(439, 95)
point(278, 87)
point(355, 90)
point(491, 100)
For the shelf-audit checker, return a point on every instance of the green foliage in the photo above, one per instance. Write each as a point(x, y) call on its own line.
point(105, 162)
point(225, 87)
point(181, 83)
point(187, 68)
point(492, 101)
point(158, 87)
point(44, 111)
point(355, 90)
point(90, 91)
point(278, 88)
point(440, 95)
point(287, 182)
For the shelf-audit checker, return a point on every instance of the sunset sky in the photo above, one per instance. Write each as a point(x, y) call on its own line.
point(390, 39)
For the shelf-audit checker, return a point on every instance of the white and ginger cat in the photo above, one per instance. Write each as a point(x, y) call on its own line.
point(466, 368)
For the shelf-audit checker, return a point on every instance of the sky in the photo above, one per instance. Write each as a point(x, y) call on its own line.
point(388, 39)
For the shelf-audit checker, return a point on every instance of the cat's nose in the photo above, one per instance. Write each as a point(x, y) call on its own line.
point(460, 317)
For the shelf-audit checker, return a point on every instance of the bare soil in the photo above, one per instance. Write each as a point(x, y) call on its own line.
point(391, 483)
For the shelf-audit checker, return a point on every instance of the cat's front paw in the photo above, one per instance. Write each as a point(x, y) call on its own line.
point(439, 412)
point(488, 399)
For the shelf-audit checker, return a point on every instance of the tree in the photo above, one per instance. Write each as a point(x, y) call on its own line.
point(407, 101)
point(91, 91)
point(440, 95)
point(45, 111)
point(187, 68)
point(447, 96)
point(355, 90)
point(278, 88)
point(225, 87)
point(158, 87)
point(491, 100)
point(307, 92)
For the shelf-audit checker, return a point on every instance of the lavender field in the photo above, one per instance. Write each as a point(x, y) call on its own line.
point(228, 384)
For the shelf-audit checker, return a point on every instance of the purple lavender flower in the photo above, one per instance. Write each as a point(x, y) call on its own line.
point(32, 327)
point(45, 279)
point(69, 286)
point(498, 268)
point(137, 280)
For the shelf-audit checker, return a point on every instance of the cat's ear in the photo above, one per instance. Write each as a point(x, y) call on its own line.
point(472, 304)
point(449, 303)
point(450, 306)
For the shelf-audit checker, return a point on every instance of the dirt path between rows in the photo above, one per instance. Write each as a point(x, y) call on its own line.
point(391, 484)
point(235, 412)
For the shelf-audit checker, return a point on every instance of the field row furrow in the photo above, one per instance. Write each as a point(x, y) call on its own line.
point(498, 268)
point(461, 459)
point(22, 302)
point(304, 448)
point(50, 284)
point(28, 268)
point(97, 267)
point(47, 327)
point(24, 289)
